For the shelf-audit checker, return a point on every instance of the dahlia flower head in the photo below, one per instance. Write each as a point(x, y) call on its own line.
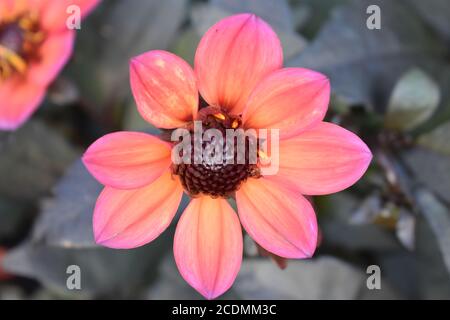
point(238, 81)
point(35, 44)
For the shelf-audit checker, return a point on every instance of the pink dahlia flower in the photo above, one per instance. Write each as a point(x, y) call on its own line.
point(35, 44)
point(238, 72)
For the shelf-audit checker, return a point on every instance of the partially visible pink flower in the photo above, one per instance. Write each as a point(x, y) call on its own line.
point(35, 44)
point(238, 71)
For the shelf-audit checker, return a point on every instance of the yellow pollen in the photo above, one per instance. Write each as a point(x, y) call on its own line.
point(5, 69)
point(235, 124)
point(26, 23)
point(219, 116)
point(37, 37)
point(263, 155)
point(14, 59)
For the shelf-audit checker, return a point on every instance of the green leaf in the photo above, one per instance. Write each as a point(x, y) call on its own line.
point(325, 277)
point(66, 219)
point(405, 229)
point(133, 121)
point(438, 139)
point(431, 169)
point(346, 223)
point(436, 13)
point(105, 272)
point(319, 12)
point(14, 216)
point(415, 98)
point(276, 13)
point(364, 64)
point(32, 160)
point(186, 45)
point(438, 217)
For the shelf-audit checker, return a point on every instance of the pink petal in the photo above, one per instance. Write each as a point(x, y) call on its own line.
point(127, 160)
point(19, 98)
point(289, 99)
point(54, 13)
point(7, 7)
point(232, 57)
point(12, 8)
point(208, 246)
point(164, 88)
point(131, 218)
point(322, 160)
point(277, 218)
point(54, 53)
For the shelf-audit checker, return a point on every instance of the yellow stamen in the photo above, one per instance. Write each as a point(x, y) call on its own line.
point(263, 155)
point(235, 124)
point(37, 37)
point(26, 23)
point(18, 63)
point(5, 69)
point(219, 116)
point(14, 59)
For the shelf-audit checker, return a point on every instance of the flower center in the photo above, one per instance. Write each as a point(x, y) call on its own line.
point(217, 173)
point(20, 38)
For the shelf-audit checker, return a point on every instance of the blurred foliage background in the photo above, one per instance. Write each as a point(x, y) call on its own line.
point(391, 86)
